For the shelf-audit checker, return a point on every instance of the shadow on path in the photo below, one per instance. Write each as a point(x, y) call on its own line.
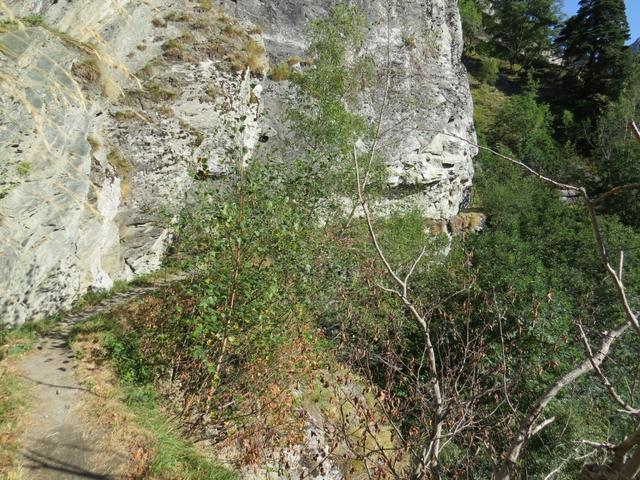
point(45, 466)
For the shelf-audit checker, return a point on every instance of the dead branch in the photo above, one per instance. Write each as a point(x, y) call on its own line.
point(527, 428)
point(604, 379)
point(635, 131)
point(431, 454)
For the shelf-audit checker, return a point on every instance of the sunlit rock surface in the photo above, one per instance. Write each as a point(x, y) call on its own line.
point(109, 108)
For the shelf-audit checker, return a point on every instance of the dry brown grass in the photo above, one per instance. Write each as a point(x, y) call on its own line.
point(166, 112)
point(256, 58)
point(87, 71)
point(201, 23)
point(175, 48)
point(252, 56)
point(280, 72)
point(123, 168)
point(158, 22)
point(125, 115)
point(214, 91)
point(178, 17)
point(232, 30)
point(157, 92)
point(293, 61)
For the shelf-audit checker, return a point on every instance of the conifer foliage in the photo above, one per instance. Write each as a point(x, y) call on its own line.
point(593, 47)
point(524, 28)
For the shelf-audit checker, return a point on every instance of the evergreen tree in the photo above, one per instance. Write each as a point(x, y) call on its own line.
point(524, 28)
point(617, 151)
point(593, 47)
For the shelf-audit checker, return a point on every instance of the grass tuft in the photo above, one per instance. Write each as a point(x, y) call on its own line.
point(87, 71)
point(24, 168)
point(157, 92)
point(280, 72)
point(33, 20)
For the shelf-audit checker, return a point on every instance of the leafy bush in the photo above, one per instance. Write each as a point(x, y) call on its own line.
point(489, 70)
point(524, 127)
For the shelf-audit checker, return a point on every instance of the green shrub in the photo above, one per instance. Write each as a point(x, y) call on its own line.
point(24, 168)
point(33, 20)
point(489, 70)
point(524, 127)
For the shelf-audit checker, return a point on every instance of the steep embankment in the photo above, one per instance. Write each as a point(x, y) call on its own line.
point(109, 108)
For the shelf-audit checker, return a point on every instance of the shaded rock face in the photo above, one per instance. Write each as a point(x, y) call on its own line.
point(103, 124)
point(429, 102)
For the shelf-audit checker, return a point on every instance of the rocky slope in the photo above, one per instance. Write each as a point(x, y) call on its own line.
point(107, 109)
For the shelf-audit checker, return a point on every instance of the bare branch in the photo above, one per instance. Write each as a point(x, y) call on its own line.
point(526, 428)
point(603, 378)
point(432, 453)
point(544, 424)
point(598, 445)
point(615, 191)
point(635, 131)
point(621, 264)
point(533, 172)
point(412, 269)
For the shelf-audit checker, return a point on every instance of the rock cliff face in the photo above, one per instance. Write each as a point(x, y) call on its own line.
point(428, 97)
point(108, 108)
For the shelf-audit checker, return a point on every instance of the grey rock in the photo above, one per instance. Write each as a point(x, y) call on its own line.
point(83, 185)
point(429, 118)
point(92, 168)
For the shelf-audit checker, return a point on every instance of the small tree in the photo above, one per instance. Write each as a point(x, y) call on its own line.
point(472, 23)
point(617, 152)
point(489, 70)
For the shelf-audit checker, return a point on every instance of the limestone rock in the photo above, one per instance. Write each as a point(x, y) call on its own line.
point(429, 118)
point(100, 132)
point(109, 109)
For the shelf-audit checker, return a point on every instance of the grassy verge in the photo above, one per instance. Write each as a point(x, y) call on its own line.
point(127, 401)
point(13, 394)
point(14, 341)
point(12, 404)
point(13, 390)
point(173, 456)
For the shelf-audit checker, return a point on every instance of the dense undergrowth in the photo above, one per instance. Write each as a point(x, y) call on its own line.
point(288, 320)
point(284, 294)
point(135, 405)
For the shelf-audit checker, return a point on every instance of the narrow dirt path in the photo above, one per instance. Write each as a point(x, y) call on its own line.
point(59, 440)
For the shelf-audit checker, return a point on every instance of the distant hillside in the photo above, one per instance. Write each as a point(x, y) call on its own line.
point(635, 46)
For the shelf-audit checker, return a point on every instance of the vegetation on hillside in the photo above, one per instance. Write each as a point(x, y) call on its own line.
point(284, 293)
point(488, 362)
